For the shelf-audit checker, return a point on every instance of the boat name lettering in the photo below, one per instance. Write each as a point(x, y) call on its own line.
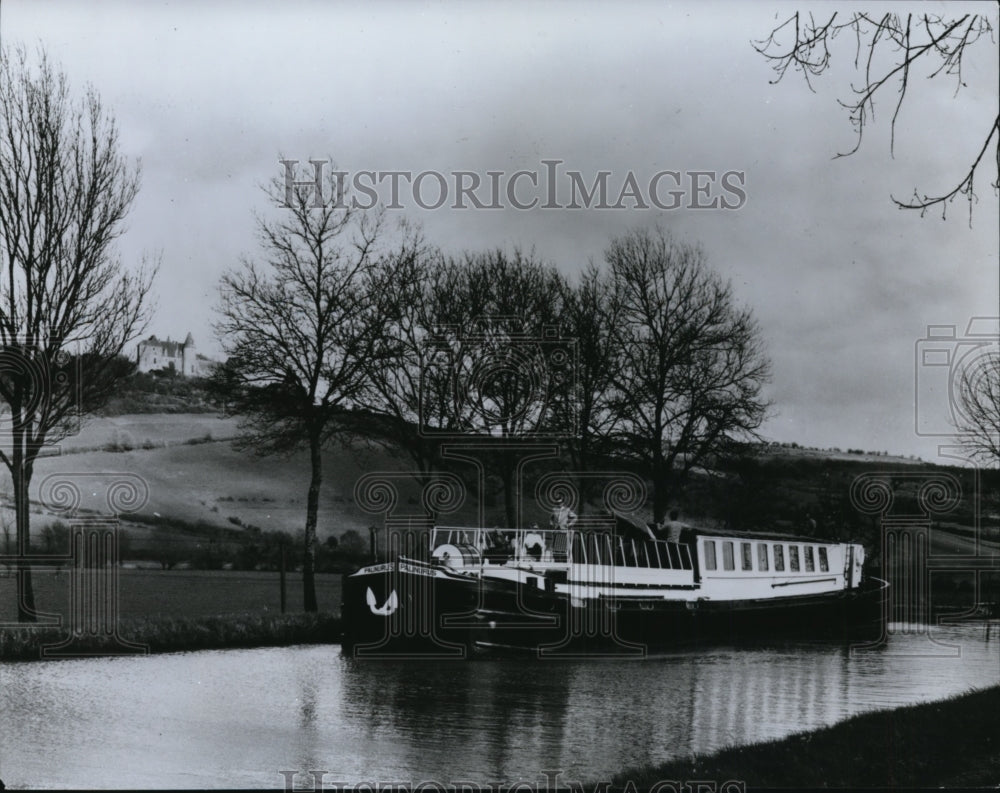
point(379, 568)
point(405, 567)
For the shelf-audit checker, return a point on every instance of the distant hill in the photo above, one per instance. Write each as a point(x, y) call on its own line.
point(194, 474)
point(859, 455)
point(161, 392)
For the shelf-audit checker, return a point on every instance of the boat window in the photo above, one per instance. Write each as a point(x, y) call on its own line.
point(593, 548)
point(710, 563)
point(793, 558)
point(762, 556)
point(779, 557)
point(727, 556)
point(559, 543)
point(824, 563)
point(747, 550)
point(619, 553)
point(644, 555)
point(810, 563)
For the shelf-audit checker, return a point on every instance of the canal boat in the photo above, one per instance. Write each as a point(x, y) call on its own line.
point(619, 590)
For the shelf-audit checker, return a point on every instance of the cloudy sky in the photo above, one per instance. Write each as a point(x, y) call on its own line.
point(210, 95)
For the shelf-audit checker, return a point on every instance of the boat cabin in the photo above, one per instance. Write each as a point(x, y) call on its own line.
point(704, 565)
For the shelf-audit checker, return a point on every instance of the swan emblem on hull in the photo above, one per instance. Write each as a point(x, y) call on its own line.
point(387, 608)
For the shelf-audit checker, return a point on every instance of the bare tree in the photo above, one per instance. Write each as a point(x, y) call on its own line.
point(301, 326)
point(889, 52)
point(67, 305)
point(978, 422)
point(582, 407)
point(689, 365)
point(407, 396)
point(472, 355)
point(496, 357)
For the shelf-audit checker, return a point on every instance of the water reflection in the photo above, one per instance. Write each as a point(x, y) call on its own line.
point(239, 718)
point(309, 747)
point(471, 718)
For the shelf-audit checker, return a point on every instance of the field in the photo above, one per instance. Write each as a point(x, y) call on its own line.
point(149, 429)
point(191, 472)
point(180, 593)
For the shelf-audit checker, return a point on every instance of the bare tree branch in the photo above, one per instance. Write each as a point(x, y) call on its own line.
point(978, 408)
point(909, 42)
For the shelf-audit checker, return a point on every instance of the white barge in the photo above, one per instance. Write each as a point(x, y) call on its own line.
point(559, 592)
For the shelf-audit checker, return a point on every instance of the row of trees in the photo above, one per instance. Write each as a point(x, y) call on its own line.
point(213, 548)
point(339, 327)
point(251, 548)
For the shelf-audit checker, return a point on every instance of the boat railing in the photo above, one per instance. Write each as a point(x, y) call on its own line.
point(564, 546)
point(602, 548)
point(501, 545)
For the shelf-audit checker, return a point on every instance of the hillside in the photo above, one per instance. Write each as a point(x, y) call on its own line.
point(160, 392)
point(194, 474)
point(207, 502)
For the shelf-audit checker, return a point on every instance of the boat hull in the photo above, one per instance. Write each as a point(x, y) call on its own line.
point(412, 609)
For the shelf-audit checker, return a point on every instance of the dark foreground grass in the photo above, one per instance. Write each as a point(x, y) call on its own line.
point(177, 593)
point(172, 634)
point(952, 743)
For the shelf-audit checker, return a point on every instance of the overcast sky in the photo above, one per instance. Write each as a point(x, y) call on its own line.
point(209, 95)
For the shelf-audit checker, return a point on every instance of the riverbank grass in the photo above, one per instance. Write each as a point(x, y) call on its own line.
point(951, 743)
point(173, 634)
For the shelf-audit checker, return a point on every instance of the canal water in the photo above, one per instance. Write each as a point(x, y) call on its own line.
point(250, 718)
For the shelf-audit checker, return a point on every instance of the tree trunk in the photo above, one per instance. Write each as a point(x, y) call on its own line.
point(312, 512)
point(21, 478)
point(509, 496)
point(585, 485)
point(661, 488)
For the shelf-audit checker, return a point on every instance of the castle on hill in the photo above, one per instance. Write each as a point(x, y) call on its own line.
point(181, 356)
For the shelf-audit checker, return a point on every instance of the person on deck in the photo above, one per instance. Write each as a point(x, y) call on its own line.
point(563, 517)
point(671, 529)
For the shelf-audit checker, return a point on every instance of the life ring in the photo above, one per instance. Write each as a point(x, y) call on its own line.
point(456, 556)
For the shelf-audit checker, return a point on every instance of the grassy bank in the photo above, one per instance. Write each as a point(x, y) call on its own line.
point(170, 611)
point(952, 743)
point(173, 634)
point(178, 593)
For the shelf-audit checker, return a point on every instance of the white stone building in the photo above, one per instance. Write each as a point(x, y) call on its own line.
point(154, 353)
